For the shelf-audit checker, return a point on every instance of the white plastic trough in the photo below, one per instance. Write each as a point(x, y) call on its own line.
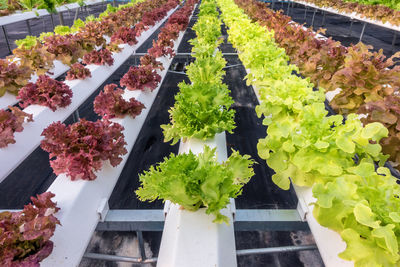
point(191, 238)
point(83, 203)
point(29, 139)
point(329, 243)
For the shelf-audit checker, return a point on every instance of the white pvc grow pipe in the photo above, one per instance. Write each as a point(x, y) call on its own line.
point(329, 243)
point(29, 139)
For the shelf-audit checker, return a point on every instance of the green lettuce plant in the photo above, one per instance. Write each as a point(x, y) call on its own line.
point(197, 181)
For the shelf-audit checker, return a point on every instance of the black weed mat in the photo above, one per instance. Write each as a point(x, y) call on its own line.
point(260, 192)
point(338, 27)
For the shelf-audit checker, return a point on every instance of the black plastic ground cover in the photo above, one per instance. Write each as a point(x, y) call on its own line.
point(260, 192)
point(338, 28)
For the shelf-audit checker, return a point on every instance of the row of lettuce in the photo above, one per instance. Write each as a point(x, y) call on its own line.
point(201, 111)
point(81, 148)
point(379, 10)
point(333, 155)
point(367, 82)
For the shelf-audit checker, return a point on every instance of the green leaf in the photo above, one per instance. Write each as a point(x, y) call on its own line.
point(375, 131)
point(365, 216)
point(194, 181)
point(388, 238)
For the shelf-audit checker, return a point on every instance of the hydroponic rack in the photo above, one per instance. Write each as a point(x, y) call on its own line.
point(87, 201)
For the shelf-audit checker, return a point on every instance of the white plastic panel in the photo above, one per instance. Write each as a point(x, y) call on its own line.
point(192, 239)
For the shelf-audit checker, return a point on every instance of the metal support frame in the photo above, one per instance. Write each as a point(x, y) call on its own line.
point(362, 31)
point(61, 18)
point(177, 72)
point(142, 251)
point(288, 7)
point(232, 66)
point(243, 252)
point(28, 25)
point(245, 220)
point(305, 13)
point(351, 28)
point(105, 257)
point(394, 41)
point(271, 250)
point(52, 20)
point(6, 38)
point(313, 18)
point(75, 116)
point(76, 13)
point(323, 19)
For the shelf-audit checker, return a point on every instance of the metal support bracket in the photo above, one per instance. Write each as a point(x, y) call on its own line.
point(362, 31)
point(6, 38)
point(245, 220)
point(394, 41)
point(28, 25)
point(313, 18)
point(103, 209)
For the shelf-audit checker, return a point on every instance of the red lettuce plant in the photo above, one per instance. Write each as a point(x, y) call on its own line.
point(140, 78)
point(66, 48)
point(45, 92)
point(101, 57)
point(35, 57)
point(12, 77)
point(78, 71)
point(80, 149)
point(387, 112)
point(25, 235)
point(159, 51)
point(110, 104)
point(150, 18)
point(93, 32)
point(148, 60)
point(11, 122)
point(125, 35)
point(363, 78)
